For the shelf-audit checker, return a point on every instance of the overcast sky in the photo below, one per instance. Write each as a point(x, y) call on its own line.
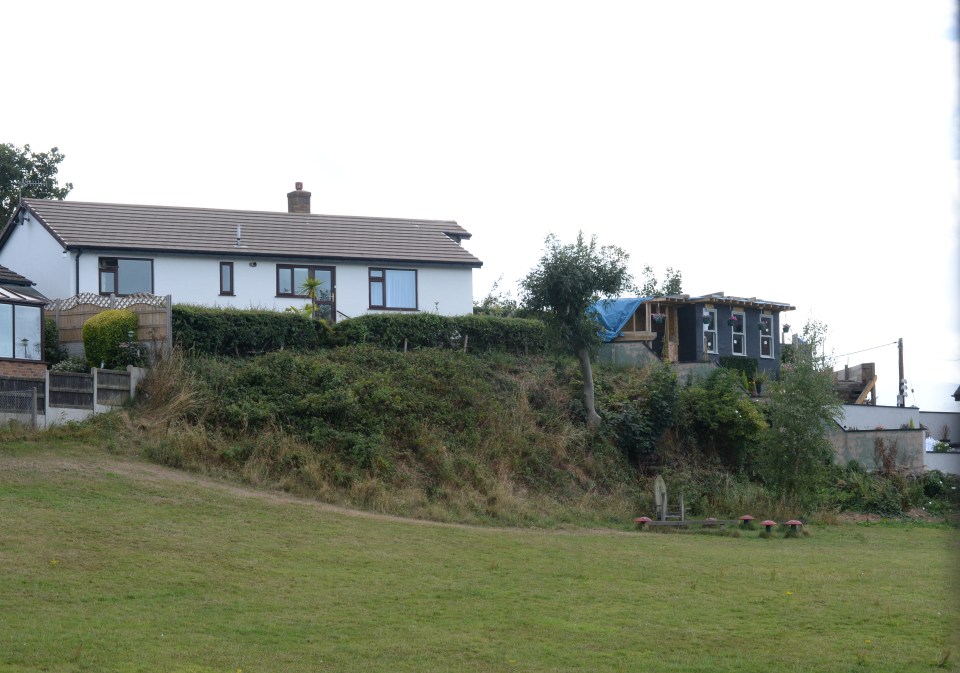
point(802, 152)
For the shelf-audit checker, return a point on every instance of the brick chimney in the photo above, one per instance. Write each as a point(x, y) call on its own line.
point(298, 201)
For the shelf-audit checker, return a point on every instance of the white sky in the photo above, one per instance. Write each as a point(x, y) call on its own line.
point(801, 152)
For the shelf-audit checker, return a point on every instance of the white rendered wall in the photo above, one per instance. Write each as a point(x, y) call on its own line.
point(196, 280)
point(31, 251)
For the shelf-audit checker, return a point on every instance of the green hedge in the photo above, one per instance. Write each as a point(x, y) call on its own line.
point(233, 332)
point(429, 330)
point(103, 334)
point(229, 331)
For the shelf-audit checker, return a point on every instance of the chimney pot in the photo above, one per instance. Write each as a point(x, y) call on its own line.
point(298, 201)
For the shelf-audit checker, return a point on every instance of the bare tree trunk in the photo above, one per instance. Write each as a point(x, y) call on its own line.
point(593, 419)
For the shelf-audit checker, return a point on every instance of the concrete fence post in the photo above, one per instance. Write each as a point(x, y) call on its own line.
point(95, 372)
point(46, 394)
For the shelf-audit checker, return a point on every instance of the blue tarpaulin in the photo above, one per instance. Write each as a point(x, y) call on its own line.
point(613, 314)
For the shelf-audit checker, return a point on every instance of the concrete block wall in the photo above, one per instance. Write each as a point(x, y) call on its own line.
point(859, 445)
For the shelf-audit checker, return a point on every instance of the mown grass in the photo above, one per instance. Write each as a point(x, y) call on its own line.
point(109, 564)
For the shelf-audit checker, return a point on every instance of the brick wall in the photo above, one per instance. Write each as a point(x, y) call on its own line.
point(22, 369)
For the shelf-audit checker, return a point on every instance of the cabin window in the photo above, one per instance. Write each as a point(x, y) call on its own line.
point(123, 276)
point(226, 278)
point(738, 341)
point(393, 289)
point(709, 330)
point(766, 336)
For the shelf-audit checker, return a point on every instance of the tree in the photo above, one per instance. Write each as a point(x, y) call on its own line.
point(27, 173)
point(796, 453)
point(566, 283)
point(671, 283)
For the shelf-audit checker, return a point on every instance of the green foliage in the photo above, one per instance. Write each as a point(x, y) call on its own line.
point(229, 331)
point(720, 420)
point(853, 489)
point(641, 422)
point(795, 454)
point(571, 278)
point(429, 330)
point(672, 283)
point(20, 165)
point(71, 364)
point(52, 352)
point(497, 303)
point(745, 366)
point(103, 335)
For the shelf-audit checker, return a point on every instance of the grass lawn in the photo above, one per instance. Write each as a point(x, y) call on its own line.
point(109, 564)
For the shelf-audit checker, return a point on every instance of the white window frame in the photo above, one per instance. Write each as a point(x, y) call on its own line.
point(740, 324)
point(766, 337)
point(712, 313)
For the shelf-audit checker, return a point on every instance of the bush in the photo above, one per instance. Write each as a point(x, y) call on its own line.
point(103, 335)
point(429, 330)
point(71, 363)
point(52, 352)
point(235, 332)
point(642, 421)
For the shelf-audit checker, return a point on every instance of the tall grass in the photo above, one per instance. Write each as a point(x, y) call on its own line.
point(437, 434)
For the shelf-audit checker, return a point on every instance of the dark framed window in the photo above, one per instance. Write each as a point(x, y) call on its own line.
point(394, 289)
point(226, 278)
point(123, 276)
point(301, 281)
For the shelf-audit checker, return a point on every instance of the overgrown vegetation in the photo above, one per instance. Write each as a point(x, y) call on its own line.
point(491, 437)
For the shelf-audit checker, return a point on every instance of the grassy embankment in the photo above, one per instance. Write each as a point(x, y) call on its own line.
point(113, 564)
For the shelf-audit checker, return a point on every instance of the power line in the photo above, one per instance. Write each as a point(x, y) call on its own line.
point(873, 348)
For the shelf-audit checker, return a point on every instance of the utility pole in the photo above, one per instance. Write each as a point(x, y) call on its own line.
point(902, 397)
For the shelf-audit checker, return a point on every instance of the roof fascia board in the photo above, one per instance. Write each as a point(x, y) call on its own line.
point(269, 256)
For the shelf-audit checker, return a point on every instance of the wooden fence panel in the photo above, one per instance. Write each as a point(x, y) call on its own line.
point(113, 387)
point(14, 385)
point(153, 315)
point(71, 390)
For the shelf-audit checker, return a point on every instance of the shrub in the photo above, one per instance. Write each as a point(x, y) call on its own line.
point(103, 335)
point(429, 330)
point(71, 364)
point(52, 352)
point(234, 332)
point(641, 423)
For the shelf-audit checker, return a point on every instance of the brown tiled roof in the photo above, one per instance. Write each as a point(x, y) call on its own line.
point(8, 277)
point(114, 226)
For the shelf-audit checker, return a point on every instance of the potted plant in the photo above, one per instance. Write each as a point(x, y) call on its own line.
point(706, 318)
point(657, 317)
point(732, 321)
